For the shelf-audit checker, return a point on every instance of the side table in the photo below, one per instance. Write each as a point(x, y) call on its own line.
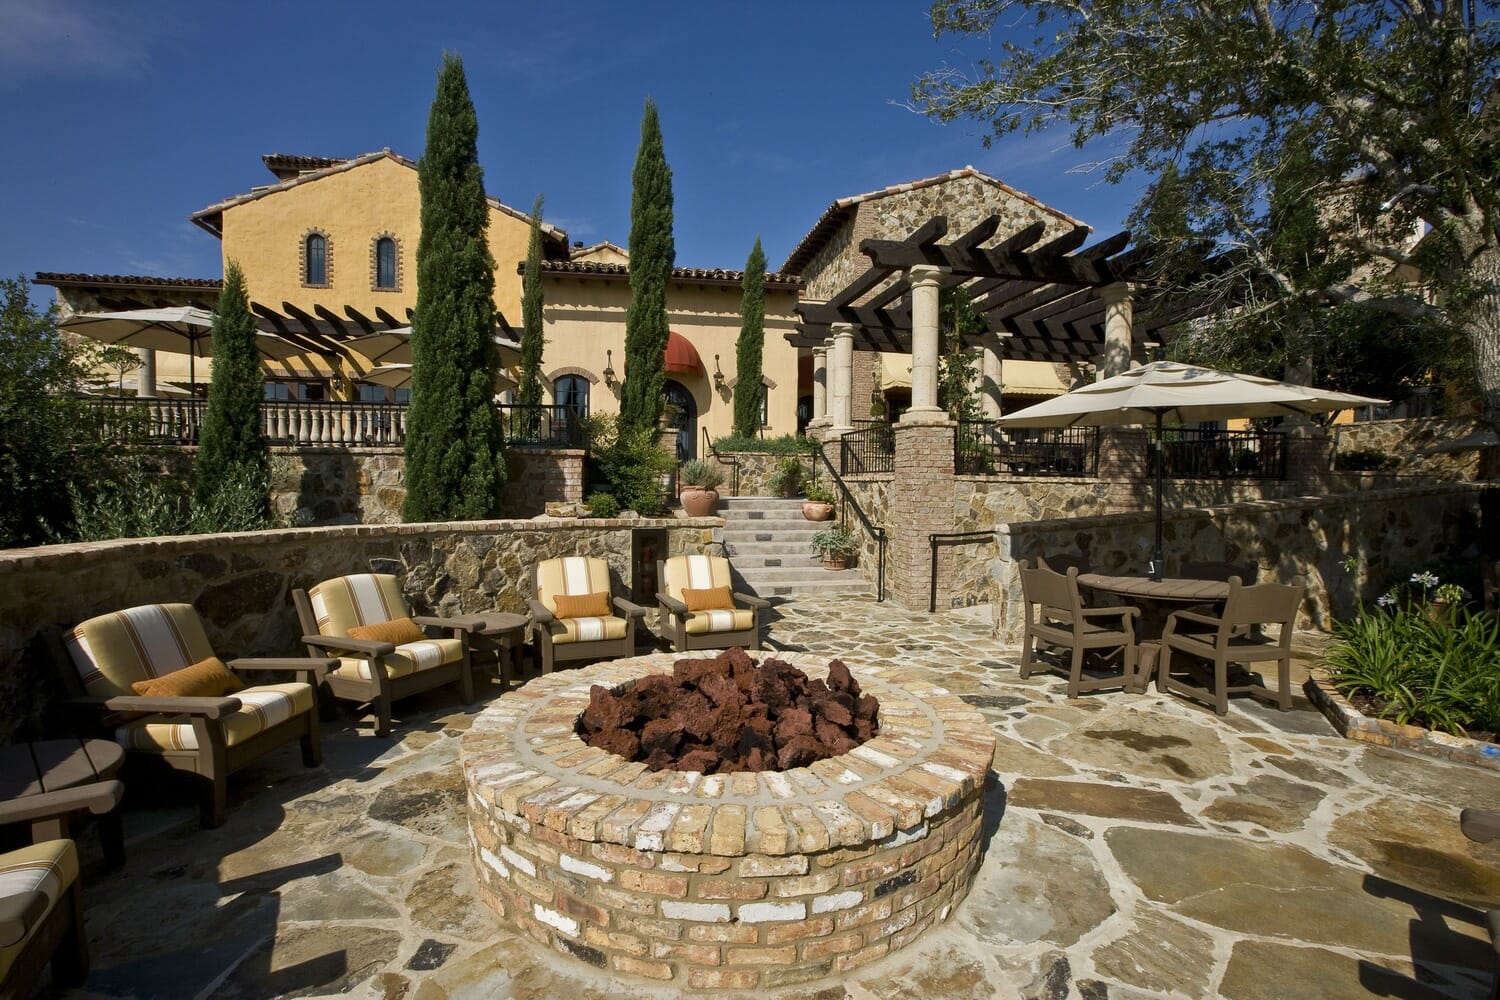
point(48, 781)
point(499, 640)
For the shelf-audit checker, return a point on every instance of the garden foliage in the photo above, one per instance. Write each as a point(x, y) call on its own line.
point(750, 348)
point(628, 464)
point(232, 453)
point(652, 254)
point(533, 340)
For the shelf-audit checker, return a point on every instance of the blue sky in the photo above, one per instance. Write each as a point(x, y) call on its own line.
point(122, 117)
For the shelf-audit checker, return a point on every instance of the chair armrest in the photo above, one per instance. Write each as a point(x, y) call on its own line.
point(540, 613)
point(19, 914)
point(209, 708)
point(1192, 616)
point(98, 798)
point(456, 624)
point(672, 604)
point(1113, 611)
point(368, 647)
point(1480, 825)
point(752, 600)
point(631, 609)
point(296, 664)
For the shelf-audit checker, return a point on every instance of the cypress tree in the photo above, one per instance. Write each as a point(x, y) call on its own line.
point(750, 348)
point(231, 448)
point(652, 254)
point(455, 458)
point(532, 340)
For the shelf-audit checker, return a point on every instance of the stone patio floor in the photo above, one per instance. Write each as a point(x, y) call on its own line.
point(1139, 847)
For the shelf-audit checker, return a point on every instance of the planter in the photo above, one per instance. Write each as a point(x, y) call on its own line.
point(1438, 611)
point(815, 511)
point(698, 502)
point(837, 560)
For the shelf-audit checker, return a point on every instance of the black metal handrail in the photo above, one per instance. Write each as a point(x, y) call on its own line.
point(871, 447)
point(980, 447)
point(847, 501)
point(1208, 453)
point(542, 425)
point(731, 460)
point(946, 538)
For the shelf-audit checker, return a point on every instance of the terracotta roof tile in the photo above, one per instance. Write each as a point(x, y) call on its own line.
point(700, 274)
point(123, 280)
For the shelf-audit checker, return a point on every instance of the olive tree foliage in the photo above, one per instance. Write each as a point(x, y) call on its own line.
point(1375, 111)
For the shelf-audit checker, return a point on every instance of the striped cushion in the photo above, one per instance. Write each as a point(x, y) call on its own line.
point(260, 709)
point(694, 573)
point(704, 622)
point(408, 658)
point(362, 599)
point(113, 651)
point(586, 629)
point(49, 867)
point(576, 576)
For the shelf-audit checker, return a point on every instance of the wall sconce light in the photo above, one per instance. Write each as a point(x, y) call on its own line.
point(609, 368)
point(718, 375)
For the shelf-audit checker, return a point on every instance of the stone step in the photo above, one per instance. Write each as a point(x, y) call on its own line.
point(784, 574)
point(765, 533)
point(755, 549)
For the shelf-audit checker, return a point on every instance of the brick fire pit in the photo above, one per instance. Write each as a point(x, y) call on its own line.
point(740, 881)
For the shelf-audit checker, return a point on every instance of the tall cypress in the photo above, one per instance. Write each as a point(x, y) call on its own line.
point(750, 348)
point(532, 340)
point(652, 254)
point(231, 449)
point(455, 457)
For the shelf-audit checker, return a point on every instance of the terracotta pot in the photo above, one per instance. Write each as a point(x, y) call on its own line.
point(1438, 611)
point(836, 560)
point(815, 511)
point(699, 503)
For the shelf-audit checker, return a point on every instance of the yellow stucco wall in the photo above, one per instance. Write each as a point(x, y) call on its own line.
point(585, 316)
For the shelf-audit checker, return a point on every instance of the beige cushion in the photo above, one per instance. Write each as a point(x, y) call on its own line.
point(575, 576)
point(49, 867)
point(586, 629)
point(205, 679)
point(408, 658)
point(396, 631)
point(681, 573)
point(585, 606)
point(260, 709)
point(712, 599)
point(704, 622)
point(351, 601)
point(114, 651)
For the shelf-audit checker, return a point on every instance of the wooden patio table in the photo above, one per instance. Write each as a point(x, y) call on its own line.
point(1157, 599)
point(47, 782)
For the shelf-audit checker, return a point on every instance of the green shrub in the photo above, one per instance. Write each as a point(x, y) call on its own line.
point(602, 504)
point(818, 494)
point(631, 465)
point(142, 505)
point(787, 477)
point(786, 444)
point(1365, 460)
point(700, 474)
point(834, 541)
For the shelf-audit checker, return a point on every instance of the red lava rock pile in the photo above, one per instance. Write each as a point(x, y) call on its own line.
point(727, 714)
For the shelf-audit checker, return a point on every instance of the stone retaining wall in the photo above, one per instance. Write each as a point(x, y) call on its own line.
point(755, 468)
point(1388, 531)
point(242, 583)
point(1405, 438)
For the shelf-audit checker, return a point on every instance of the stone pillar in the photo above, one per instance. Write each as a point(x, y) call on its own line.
point(924, 280)
point(990, 379)
point(843, 379)
point(921, 504)
point(145, 376)
point(820, 385)
point(1119, 317)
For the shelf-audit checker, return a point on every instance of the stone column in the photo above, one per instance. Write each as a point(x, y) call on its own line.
point(843, 379)
point(924, 280)
point(1119, 317)
point(145, 376)
point(990, 376)
point(820, 385)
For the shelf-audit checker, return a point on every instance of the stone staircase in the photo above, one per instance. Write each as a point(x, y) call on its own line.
point(767, 541)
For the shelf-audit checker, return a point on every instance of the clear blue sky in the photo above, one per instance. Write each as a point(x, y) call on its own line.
point(122, 117)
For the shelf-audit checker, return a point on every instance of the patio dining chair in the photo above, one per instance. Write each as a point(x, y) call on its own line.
point(383, 653)
point(698, 608)
point(575, 616)
point(1056, 616)
point(1234, 636)
point(41, 917)
point(149, 674)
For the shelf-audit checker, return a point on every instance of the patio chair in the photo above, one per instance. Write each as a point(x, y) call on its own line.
point(1234, 636)
point(41, 917)
point(383, 652)
point(1483, 826)
point(573, 614)
point(1062, 563)
point(1057, 616)
point(150, 674)
point(698, 610)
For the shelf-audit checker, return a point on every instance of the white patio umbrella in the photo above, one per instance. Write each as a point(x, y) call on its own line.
point(175, 329)
point(1171, 392)
point(393, 347)
point(398, 376)
point(132, 383)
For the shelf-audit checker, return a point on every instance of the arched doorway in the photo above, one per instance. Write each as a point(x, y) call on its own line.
point(686, 421)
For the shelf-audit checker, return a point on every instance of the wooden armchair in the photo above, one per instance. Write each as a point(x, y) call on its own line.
point(1234, 636)
point(1057, 616)
point(573, 614)
point(699, 609)
point(41, 917)
point(150, 674)
point(383, 653)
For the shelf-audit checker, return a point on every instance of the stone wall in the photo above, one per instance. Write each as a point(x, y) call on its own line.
point(1389, 532)
point(242, 583)
point(755, 468)
point(1405, 438)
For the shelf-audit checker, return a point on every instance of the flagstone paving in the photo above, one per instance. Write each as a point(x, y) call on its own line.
point(1137, 846)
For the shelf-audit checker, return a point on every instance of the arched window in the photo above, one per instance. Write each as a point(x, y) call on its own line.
point(572, 392)
point(385, 263)
point(315, 259)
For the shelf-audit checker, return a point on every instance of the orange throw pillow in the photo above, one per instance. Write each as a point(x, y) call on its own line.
point(396, 631)
point(582, 605)
point(205, 679)
point(709, 599)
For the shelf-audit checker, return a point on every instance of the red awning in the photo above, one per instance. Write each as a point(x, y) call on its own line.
point(681, 356)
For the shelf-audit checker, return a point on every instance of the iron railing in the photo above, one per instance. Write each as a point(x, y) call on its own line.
point(543, 426)
point(848, 503)
point(980, 447)
point(1197, 453)
point(870, 447)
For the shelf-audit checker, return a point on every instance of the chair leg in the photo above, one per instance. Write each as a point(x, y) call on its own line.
point(1075, 672)
point(466, 677)
point(1026, 650)
point(70, 963)
point(1163, 668)
point(1284, 683)
point(213, 800)
point(312, 749)
point(1221, 686)
point(382, 706)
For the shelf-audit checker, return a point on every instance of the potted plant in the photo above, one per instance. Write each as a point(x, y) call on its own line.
point(786, 479)
point(700, 483)
point(837, 545)
point(819, 504)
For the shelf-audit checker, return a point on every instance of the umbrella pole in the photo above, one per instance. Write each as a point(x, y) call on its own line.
point(1156, 554)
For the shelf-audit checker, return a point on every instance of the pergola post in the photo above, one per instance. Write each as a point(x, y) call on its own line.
point(843, 379)
point(820, 384)
point(1119, 318)
point(145, 379)
point(925, 281)
point(990, 374)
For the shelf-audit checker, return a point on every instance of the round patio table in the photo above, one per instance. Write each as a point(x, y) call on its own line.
point(1157, 599)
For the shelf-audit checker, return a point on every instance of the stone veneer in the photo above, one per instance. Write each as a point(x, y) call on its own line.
point(241, 583)
point(755, 469)
point(714, 882)
point(1407, 438)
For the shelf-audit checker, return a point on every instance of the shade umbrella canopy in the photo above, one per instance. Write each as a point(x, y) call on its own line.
point(1176, 393)
point(393, 347)
point(398, 376)
point(131, 383)
point(175, 330)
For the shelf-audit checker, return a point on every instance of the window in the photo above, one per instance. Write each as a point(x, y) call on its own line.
point(765, 406)
point(385, 263)
point(288, 391)
point(572, 391)
point(315, 259)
